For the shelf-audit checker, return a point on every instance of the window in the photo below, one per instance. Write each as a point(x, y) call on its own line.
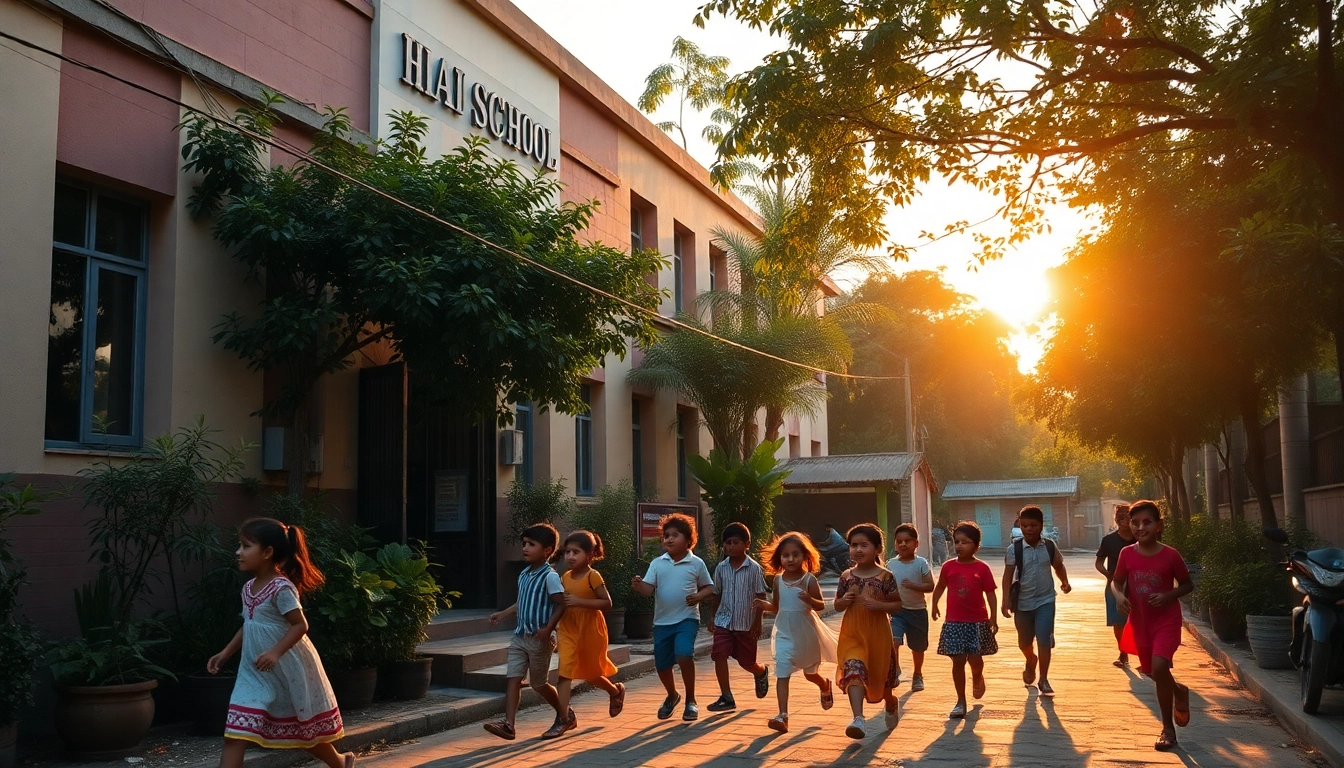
point(678, 295)
point(636, 229)
point(816, 447)
point(95, 335)
point(583, 445)
point(523, 423)
point(636, 448)
point(681, 455)
point(795, 446)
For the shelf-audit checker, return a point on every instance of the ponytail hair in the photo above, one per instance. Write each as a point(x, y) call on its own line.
point(589, 542)
point(290, 548)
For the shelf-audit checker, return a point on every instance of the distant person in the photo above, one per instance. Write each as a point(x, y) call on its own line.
point(1016, 533)
point(677, 581)
point(1029, 597)
point(739, 582)
point(865, 656)
point(938, 545)
point(1107, 555)
point(968, 633)
point(1149, 579)
point(914, 577)
point(834, 550)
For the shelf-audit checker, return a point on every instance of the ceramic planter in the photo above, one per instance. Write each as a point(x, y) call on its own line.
point(615, 623)
point(354, 688)
point(9, 745)
point(1229, 626)
point(208, 702)
point(104, 722)
point(1270, 637)
point(406, 680)
point(639, 625)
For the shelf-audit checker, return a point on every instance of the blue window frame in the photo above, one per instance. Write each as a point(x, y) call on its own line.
point(523, 423)
point(96, 322)
point(678, 296)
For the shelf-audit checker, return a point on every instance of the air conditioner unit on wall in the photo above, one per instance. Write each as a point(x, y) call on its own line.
point(273, 450)
point(510, 447)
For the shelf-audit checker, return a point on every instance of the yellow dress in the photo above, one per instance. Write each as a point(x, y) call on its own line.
point(865, 654)
point(582, 632)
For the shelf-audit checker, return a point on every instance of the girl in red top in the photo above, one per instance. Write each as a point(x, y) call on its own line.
point(1149, 579)
point(968, 633)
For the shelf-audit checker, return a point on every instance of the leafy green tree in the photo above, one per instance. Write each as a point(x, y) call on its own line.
point(692, 78)
point(742, 491)
point(344, 266)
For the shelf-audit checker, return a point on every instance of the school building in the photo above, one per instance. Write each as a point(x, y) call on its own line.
point(112, 290)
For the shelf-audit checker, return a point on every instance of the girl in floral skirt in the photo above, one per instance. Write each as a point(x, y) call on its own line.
point(968, 634)
point(281, 698)
point(865, 655)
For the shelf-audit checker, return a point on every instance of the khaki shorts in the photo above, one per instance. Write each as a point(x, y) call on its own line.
point(530, 658)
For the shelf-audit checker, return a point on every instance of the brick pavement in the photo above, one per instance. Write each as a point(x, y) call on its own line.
point(1102, 717)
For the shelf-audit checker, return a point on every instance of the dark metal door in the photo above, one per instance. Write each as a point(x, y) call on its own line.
point(381, 497)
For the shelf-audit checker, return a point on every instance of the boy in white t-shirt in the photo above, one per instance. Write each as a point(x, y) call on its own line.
point(915, 579)
point(678, 581)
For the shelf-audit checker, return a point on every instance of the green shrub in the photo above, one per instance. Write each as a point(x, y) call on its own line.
point(543, 501)
point(612, 516)
point(416, 599)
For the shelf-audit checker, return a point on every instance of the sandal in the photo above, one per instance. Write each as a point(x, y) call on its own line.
point(617, 701)
point(1120, 664)
point(502, 729)
point(978, 687)
point(779, 723)
point(763, 683)
point(1181, 705)
point(1166, 742)
point(828, 696)
point(349, 760)
point(559, 729)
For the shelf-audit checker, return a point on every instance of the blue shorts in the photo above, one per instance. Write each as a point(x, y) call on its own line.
point(672, 642)
point(1037, 624)
point(1114, 618)
point(911, 627)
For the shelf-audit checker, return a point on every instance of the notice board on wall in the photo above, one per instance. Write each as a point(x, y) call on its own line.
point(450, 501)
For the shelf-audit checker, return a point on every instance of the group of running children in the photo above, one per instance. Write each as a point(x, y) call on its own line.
point(282, 698)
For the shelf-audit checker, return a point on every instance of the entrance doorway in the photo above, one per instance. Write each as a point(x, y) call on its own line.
point(987, 517)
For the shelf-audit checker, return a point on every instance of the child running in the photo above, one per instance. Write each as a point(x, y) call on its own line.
point(540, 606)
point(678, 581)
point(281, 697)
point(968, 633)
point(1149, 579)
point(1107, 555)
point(866, 657)
point(582, 631)
point(739, 582)
point(910, 626)
point(801, 640)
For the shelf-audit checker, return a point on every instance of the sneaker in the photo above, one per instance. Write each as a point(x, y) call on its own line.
point(501, 728)
point(669, 704)
point(692, 712)
point(893, 717)
point(763, 683)
point(1029, 673)
point(856, 729)
point(957, 712)
point(917, 684)
point(723, 704)
point(779, 723)
point(1045, 690)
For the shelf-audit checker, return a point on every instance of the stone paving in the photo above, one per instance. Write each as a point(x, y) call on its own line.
point(1102, 716)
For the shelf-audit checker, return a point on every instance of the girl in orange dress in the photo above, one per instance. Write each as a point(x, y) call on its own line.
point(582, 631)
point(865, 656)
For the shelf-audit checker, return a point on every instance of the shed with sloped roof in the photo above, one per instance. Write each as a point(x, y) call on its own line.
point(994, 504)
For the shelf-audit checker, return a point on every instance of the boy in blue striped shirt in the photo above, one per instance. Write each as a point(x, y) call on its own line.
point(541, 603)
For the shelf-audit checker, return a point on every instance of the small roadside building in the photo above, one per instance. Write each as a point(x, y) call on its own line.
point(994, 504)
point(883, 488)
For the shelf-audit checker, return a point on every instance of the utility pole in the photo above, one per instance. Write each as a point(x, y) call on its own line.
point(909, 412)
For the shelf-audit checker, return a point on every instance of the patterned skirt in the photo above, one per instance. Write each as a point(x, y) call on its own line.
point(967, 638)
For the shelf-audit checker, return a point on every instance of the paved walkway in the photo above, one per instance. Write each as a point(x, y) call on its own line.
point(1102, 716)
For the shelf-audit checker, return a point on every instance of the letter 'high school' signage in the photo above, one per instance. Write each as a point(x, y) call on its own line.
point(487, 110)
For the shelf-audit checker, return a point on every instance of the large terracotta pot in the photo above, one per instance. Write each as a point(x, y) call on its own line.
point(104, 722)
point(406, 680)
point(615, 623)
point(354, 688)
point(1229, 626)
point(639, 625)
point(208, 701)
point(9, 745)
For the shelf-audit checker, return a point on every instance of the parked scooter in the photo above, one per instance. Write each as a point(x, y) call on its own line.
point(836, 563)
point(1317, 648)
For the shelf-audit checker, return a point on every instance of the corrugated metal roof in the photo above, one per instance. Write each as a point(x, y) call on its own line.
point(853, 470)
point(1010, 489)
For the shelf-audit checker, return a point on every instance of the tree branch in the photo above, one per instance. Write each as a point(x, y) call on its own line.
point(1117, 44)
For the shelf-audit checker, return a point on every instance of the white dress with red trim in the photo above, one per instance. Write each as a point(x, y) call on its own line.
point(291, 705)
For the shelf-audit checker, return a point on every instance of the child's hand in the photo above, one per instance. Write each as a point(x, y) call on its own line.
point(571, 601)
point(636, 582)
point(693, 598)
point(872, 603)
point(761, 604)
point(494, 618)
point(216, 662)
point(993, 624)
point(936, 612)
point(266, 661)
point(1006, 608)
point(908, 584)
point(1065, 587)
point(1122, 605)
point(1159, 599)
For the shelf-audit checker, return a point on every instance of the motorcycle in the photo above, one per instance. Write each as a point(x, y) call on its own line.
point(836, 563)
point(1317, 648)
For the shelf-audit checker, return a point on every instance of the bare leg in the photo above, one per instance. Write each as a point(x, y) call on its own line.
point(896, 654)
point(603, 684)
point(721, 672)
point(687, 665)
point(232, 756)
point(665, 677)
point(782, 692)
point(1119, 633)
point(1166, 692)
point(814, 678)
point(512, 693)
point(1045, 662)
point(959, 678)
point(548, 693)
point(977, 672)
point(856, 699)
point(327, 754)
point(919, 662)
point(563, 688)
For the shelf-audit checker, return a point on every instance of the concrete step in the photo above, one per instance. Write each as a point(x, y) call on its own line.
point(494, 678)
point(459, 622)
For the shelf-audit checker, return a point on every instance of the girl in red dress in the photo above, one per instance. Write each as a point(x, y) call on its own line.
point(1149, 580)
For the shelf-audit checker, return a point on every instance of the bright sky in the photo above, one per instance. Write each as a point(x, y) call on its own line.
point(623, 40)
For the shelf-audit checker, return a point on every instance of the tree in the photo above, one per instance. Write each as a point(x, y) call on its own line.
point(742, 491)
point(694, 78)
point(344, 265)
point(962, 378)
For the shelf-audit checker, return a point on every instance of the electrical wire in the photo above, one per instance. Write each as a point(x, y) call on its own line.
point(301, 155)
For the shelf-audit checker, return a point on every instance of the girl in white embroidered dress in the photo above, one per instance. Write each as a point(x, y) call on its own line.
point(282, 697)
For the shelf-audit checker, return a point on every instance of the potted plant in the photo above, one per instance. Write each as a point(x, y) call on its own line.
point(611, 517)
point(639, 610)
point(1227, 581)
point(348, 616)
point(1269, 623)
point(20, 644)
point(542, 501)
point(216, 603)
point(416, 597)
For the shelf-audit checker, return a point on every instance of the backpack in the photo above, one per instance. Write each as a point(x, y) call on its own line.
point(1015, 589)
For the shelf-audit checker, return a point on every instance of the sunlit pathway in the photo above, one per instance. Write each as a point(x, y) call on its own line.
point(1102, 716)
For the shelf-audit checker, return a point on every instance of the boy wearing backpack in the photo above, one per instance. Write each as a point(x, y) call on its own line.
point(1030, 597)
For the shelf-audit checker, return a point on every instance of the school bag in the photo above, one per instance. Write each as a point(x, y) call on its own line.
point(1015, 588)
